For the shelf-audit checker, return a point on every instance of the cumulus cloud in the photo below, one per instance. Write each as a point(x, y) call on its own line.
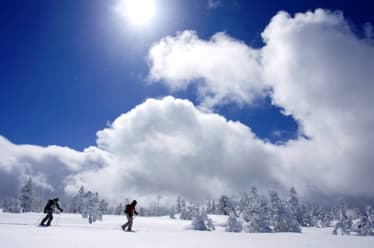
point(312, 66)
point(162, 147)
point(171, 146)
point(321, 73)
point(317, 70)
point(48, 166)
point(224, 69)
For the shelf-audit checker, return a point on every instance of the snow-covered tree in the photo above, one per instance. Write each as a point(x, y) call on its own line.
point(198, 223)
point(344, 225)
point(249, 204)
point(210, 224)
point(38, 204)
point(12, 206)
point(201, 222)
point(26, 196)
point(364, 225)
point(92, 206)
point(336, 213)
point(259, 221)
point(211, 207)
point(370, 213)
point(85, 204)
point(183, 203)
point(324, 218)
point(77, 203)
point(119, 209)
point(341, 211)
point(280, 217)
point(293, 205)
point(224, 205)
point(243, 202)
point(187, 213)
point(178, 207)
point(172, 213)
point(292, 198)
point(307, 218)
point(233, 224)
point(103, 208)
point(356, 213)
point(254, 212)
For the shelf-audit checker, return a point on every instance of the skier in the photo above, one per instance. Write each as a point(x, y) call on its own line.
point(130, 211)
point(49, 209)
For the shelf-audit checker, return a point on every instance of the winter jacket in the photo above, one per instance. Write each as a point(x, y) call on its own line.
point(51, 205)
point(130, 210)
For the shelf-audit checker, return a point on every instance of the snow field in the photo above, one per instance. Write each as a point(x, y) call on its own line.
point(70, 230)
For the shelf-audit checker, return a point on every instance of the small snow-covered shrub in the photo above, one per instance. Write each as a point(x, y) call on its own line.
point(202, 222)
point(233, 224)
point(365, 226)
point(210, 225)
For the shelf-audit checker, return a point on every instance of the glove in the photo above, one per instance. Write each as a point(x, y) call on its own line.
point(61, 210)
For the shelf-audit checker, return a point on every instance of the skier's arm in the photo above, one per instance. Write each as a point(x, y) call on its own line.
point(59, 208)
point(136, 213)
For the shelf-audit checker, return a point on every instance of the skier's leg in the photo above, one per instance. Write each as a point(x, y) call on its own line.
point(129, 223)
point(44, 220)
point(126, 224)
point(50, 219)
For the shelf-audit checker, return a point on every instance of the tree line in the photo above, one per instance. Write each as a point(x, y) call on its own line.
point(252, 212)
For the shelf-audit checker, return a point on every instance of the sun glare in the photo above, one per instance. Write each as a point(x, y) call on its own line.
point(138, 12)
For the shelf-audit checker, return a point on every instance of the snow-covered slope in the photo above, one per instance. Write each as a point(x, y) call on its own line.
point(69, 230)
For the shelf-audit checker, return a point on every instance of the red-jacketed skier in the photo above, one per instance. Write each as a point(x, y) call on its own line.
point(130, 211)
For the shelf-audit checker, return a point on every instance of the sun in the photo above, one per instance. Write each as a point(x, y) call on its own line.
point(138, 12)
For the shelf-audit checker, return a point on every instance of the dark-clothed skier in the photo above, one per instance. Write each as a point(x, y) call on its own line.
point(49, 209)
point(129, 211)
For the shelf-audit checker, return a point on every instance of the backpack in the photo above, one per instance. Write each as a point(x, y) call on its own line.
point(127, 209)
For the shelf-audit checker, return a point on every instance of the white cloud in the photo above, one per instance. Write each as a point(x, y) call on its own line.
point(169, 147)
point(224, 69)
point(319, 72)
point(48, 166)
point(322, 74)
point(165, 147)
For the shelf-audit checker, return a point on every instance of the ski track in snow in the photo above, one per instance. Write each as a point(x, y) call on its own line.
point(70, 230)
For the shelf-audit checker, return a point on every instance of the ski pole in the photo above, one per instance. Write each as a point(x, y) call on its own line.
point(40, 218)
point(58, 219)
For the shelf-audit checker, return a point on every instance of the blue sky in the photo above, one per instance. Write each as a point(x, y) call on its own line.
point(197, 102)
point(68, 67)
